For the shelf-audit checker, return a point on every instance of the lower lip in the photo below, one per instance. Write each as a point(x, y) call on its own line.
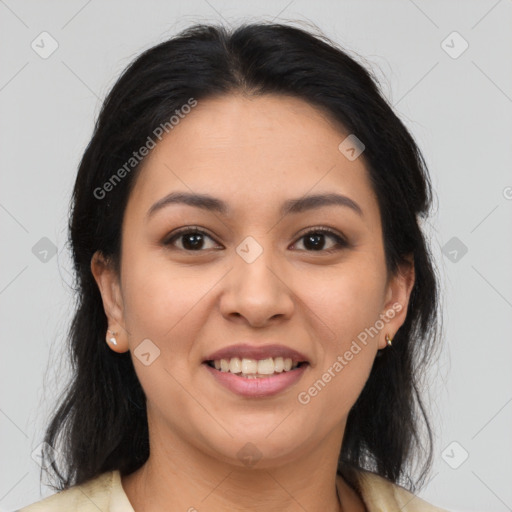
point(259, 387)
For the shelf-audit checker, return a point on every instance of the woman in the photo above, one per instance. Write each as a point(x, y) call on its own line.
point(257, 302)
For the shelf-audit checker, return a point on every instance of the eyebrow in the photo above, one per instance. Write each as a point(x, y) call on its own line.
point(299, 205)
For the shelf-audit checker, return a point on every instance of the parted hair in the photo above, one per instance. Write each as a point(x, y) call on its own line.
point(100, 423)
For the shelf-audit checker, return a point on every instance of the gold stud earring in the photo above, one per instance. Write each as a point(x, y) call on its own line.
point(388, 340)
point(112, 339)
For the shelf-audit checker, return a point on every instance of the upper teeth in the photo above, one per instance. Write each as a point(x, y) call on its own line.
point(251, 366)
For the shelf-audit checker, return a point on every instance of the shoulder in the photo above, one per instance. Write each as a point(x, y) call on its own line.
point(90, 496)
point(380, 494)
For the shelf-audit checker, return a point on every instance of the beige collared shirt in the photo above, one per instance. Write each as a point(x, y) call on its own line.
point(105, 493)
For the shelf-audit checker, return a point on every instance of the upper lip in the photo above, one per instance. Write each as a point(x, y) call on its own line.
point(257, 352)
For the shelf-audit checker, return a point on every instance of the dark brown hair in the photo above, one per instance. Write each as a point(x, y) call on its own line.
point(101, 423)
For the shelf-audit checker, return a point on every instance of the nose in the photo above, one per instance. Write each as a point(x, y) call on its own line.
point(256, 292)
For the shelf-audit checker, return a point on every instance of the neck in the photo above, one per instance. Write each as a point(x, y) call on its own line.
point(182, 477)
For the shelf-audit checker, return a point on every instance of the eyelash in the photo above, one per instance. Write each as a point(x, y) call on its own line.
point(341, 242)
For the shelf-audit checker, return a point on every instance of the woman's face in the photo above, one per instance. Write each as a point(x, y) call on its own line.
point(253, 277)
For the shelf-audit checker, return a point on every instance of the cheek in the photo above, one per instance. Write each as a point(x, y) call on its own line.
point(347, 299)
point(158, 296)
point(347, 353)
point(161, 304)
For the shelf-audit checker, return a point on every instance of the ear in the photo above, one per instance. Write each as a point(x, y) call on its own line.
point(108, 283)
point(398, 293)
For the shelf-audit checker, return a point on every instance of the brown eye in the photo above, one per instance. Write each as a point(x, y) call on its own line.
point(315, 240)
point(196, 240)
point(192, 239)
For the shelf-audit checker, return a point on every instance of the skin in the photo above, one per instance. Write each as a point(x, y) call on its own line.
point(253, 153)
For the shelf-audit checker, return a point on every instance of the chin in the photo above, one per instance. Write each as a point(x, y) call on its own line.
point(259, 450)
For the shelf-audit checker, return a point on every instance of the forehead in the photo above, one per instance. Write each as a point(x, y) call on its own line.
point(253, 151)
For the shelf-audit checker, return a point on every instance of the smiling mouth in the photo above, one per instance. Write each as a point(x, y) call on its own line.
point(252, 369)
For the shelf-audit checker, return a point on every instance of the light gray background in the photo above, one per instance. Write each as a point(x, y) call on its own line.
point(459, 110)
